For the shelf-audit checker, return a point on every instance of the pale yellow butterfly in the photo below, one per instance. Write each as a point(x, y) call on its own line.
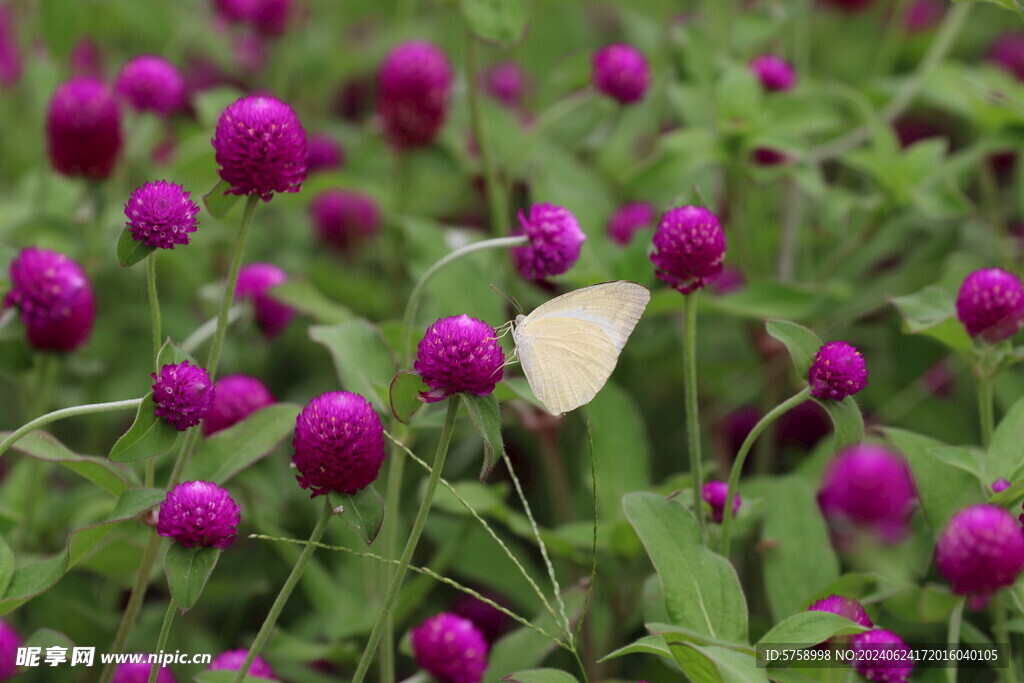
point(568, 347)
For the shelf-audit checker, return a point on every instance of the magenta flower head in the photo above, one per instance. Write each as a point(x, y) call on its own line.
point(339, 444)
point(870, 486)
point(235, 398)
point(628, 219)
point(1000, 484)
point(991, 304)
point(261, 147)
point(716, 494)
point(199, 513)
point(923, 15)
point(775, 73)
point(232, 660)
point(1008, 53)
point(344, 219)
point(254, 280)
point(183, 394)
point(459, 354)
point(161, 215)
point(151, 83)
point(838, 371)
point(621, 72)
point(323, 153)
point(10, 641)
point(730, 280)
point(506, 83)
point(232, 10)
point(54, 297)
point(83, 129)
point(269, 17)
point(689, 247)
point(882, 656)
point(138, 672)
point(450, 648)
point(844, 607)
point(980, 551)
point(555, 240)
point(85, 58)
point(414, 85)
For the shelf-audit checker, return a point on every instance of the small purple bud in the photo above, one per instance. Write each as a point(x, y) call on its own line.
point(621, 72)
point(838, 371)
point(235, 398)
point(345, 219)
point(272, 316)
point(414, 83)
point(55, 299)
point(183, 394)
point(628, 219)
point(323, 153)
point(689, 248)
point(775, 73)
point(882, 657)
point(232, 660)
point(151, 83)
point(716, 494)
point(991, 304)
point(450, 649)
point(506, 83)
point(83, 129)
point(199, 514)
point(1000, 484)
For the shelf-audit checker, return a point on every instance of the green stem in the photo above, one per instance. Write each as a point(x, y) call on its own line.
point(986, 411)
point(410, 544)
point(953, 635)
point(1008, 673)
point(692, 417)
point(392, 508)
point(131, 610)
point(741, 457)
point(206, 330)
point(161, 643)
point(286, 590)
point(497, 201)
point(579, 663)
point(154, 306)
point(73, 411)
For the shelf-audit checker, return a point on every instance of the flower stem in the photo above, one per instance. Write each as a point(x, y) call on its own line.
point(286, 590)
point(131, 610)
point(953, 635)
point(692, 417)
point(165, 630)
point(206, 330)
point(741, 458)
point(410, 544)
point(73, 411)
point(154, 306)
point(497, 201)
point(986, 410)
point(1008, 673)
point(392, 531)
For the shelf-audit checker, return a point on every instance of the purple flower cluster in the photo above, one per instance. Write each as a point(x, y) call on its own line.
point(882, 656)
point(414, 85)
point(555, 240)
point(232, 660)
point(980, 551)
point(506, 83)
point(838, 371)
point(990, 304)
point(10, 641)
point(54, 297)
point(161, 214)
point(236, 397)
point(151, 83)
point(83, 129)
point(775, 73)
point(450, 648)
point(716, 494)
point(844, 607)
point(323, 153)
point(628, 219)
point(459, 354)
point(689, 248)
point(254, 280)
point(183, 394)
point(199, 513)
point(621, 72)
point(344, 219)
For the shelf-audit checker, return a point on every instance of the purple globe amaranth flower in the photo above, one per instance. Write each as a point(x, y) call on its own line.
point(339, 444)
point(922, 15)
point(232, 10)
point(689, 247)
point(775, 73)
point(728, 281)
point(769, 156)
point(991, 304)
point(939, 380)
point(628, 219)
point(491, 623)
point(716, 494)
point(183, 394)
point(450, 648)
point(54, 297)
point(414, 85)
point(344, 219)
point(1008, 53)
point(85, 58)
point(621, 72)
point(869, 486)
point(151, 83)
point(269, 17)
point(10, 53)
point(232, 660)
point(555, 240)
point(323, 153)
point(236, 397)
point(138, 672)
point(506, 83)
point(10, 641)
point(459, 354)
point(980, 551)
point(1000, 484)
point(882, 656)
point(844, 607)
point(161, 214)
point(83, 129)
point(261, 147)
point(254, 280)
point(199, 513)
point(838, 371)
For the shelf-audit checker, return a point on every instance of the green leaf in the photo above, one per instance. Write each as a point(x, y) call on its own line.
point(405, 395)
point(805, 629)
point(1006, 452)
point(738, 95)
point(680, 634)
point(171, 353)
point(47, 637)
point(801, 343)
point(701, 589)
point(363, 512)
point(148, 437)
point(129, 250)
point(361, 357)
point(217, 203)
point(648, 645)
point(932, 312)
point(499, 21)
point(6, 565)
point(540, 676)
point(304, 297)
point(711, 663)
point(846, 420)
point(188, 570)
point(800, 559)
point(486, 417)
point(1012, 5)
point(231, 450)
point(767, 300)
point(45, 446)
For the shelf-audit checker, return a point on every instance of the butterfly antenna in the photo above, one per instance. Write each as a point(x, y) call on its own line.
point(509, 299)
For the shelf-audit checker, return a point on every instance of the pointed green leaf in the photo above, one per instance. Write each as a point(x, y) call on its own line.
point(499, 21)
point(847, 421)
point(801, 343)
point(540, 676)
point(188, 570)
point(217, 203)
point(231, 450)
point(486, 417)
point(148, 437)
point(361, 357)
point(45, 446)
point(709, 663)
point(129, 250)
point(171, 353)
point(648, 645)
point(932, 312)
point(304, 297)
point(405, 395)
point(809, 628)
point(363, 511)
point(1006, 452)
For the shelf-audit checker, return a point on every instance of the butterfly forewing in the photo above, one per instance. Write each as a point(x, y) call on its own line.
point(614, 307)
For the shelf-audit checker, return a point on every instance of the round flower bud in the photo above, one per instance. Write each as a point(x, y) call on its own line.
point(138, 672)
point(450, 649)
point(555, 240)
point(1000, 484)
point(261, 147)
point(881, 656)
point(775, 73)
point(628, 219)
point(199, 513)
point(838, 371)
point(54, 297)
point(254, 280)
point(716, 494)
point(232, 660)
point(83, 129)
point(844, 607)
point(506, 83)
point(339, 444)
point(323, 153)
point(868, 485)
point(459, 354)
point(414, 84)
point(10, 641)
point(621, 72)
point(344, 219)
point(689, 247)
point(151, 83)
point(161, 214)
point(980, 551)
point(991, 304)
point(85, 58)
point(183, 394)
point(923, 15)
point(232, 10)
point(235, 398)
point(1008, 53)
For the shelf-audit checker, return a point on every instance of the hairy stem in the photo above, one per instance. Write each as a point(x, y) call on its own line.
point(692, 417)
point(161, 643)
point(89, 409)
point(154, 307)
